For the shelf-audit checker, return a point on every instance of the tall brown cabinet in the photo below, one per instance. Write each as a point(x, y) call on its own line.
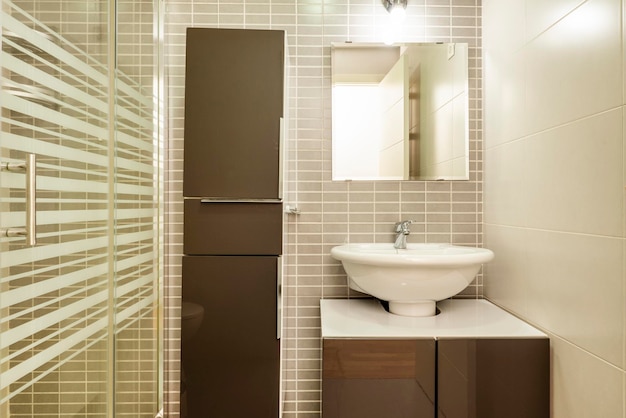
point(234, 102)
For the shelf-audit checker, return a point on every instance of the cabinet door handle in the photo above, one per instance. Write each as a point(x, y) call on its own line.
point(30, 230)
point(282, 155)
point(279, 297)
point(218, 200)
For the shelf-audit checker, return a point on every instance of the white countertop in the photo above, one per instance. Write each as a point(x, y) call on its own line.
point(475, 318)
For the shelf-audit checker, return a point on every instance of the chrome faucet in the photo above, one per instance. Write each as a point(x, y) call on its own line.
point(402, 229)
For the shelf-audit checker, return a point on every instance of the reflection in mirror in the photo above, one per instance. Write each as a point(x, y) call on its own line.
point(400, 112)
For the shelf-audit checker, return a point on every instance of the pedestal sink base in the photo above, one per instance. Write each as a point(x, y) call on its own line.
point(419, 308)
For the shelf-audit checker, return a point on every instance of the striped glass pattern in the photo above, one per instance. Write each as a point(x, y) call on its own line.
point(136, 180)
point(78, 311)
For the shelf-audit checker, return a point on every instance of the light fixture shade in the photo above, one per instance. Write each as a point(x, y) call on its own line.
point(392, 4)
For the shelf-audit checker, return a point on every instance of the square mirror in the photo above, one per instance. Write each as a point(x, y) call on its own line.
point(400, 112)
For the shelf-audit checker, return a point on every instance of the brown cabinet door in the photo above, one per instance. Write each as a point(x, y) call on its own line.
point(378, 378)
point(231, 365)
point(233, 105)
point(493, 378)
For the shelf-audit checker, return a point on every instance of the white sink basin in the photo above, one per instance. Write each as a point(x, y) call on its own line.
point(412, 280)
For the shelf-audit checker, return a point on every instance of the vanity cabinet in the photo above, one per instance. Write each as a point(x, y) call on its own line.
point(378, 378)
point(493, 378)
point(473, 360)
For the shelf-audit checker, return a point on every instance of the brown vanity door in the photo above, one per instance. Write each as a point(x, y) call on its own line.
point(378, 378)
point(493, 378)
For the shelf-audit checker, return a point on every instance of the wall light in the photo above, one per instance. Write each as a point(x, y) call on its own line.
point(396, 9)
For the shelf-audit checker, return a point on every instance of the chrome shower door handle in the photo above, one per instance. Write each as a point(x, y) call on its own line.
point(30, 229)
point(31, 200)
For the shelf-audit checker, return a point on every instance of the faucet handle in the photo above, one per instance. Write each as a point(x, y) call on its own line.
point(403, 226)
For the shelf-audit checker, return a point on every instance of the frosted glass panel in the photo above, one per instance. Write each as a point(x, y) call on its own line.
point(136, 213)
point(78, 311)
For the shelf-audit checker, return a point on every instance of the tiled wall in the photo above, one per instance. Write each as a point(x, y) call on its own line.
point(554, 188)
point(332, 212)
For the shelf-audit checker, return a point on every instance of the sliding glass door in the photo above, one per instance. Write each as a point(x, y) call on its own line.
point(79, 210)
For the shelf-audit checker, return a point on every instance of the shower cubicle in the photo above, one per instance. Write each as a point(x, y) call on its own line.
point(80, 208)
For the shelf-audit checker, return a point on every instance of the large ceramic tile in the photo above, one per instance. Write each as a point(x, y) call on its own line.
point(576, 289)
point(503, 24)
point(624, 172)
point(541, 14)
point(504, 91)
point(624, 309)
point(504, 194)
point(624, 56)
point(503, 61)
point(574, 176)
point(574, 69)
point(584, 386)
point(505, 277)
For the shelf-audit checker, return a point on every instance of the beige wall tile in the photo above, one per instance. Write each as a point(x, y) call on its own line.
point(555, 201)
point(582, 385)
point(505, 185)
point(624, 313)
point(504, 24)
point(540, 15)
point(585, 45)
point(505, 71)
point(573, 176)
point(575, 289)
point(506, 276)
